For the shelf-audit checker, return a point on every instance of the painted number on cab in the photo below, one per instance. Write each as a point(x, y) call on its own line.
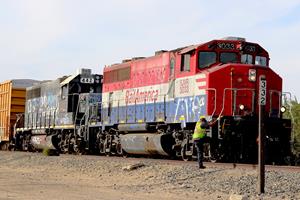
point(87, 80)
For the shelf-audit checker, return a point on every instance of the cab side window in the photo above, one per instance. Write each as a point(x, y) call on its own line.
point(172, 67)
point(64, 92)
point(185, 62)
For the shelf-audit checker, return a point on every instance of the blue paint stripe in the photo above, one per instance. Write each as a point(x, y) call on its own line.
point(189, 107)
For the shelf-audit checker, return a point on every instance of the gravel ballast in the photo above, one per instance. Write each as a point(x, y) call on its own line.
point(35, 176)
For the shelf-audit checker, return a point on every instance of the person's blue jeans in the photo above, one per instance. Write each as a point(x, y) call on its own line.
point(199, 147)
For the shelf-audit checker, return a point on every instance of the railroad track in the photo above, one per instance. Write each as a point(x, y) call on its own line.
point(191, 163)
point(184, 163)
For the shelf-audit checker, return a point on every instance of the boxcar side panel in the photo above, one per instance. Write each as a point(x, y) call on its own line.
point(5, 105)
point(12, 102)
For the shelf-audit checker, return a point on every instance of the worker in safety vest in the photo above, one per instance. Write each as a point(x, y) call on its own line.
point(199, 137)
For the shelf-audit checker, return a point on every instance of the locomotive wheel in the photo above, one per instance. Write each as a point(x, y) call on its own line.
point(209, 154)
point(76, 147)
point(119, 149)
point(5, 146)
point(107, 149)
point(24, 144)
point(183, 153)
point(288, 160)
point(64, 145)
point(101, 148)
point(124, 154)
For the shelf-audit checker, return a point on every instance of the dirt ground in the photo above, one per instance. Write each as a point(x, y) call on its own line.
point(35, 176)
point(27, 176)
point(38, 184)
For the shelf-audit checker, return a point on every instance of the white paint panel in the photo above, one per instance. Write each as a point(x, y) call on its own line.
point(184, 87)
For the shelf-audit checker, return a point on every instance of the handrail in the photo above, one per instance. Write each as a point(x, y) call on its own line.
point(236, 89)
point(76, 109)
point(135, 104)
point(145, 115)
point(49, 120)
point(215, 92)
point(36, 120)
point(165, 109)
point(135, 110)
point(144, 103)
point(54, 116)
point(279, 101)
point(285, 94)
point(19, 116)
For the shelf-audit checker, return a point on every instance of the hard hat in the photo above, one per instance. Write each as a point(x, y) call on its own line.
point(202, 117)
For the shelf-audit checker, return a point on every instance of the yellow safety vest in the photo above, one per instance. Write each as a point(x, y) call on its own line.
point(199, 132)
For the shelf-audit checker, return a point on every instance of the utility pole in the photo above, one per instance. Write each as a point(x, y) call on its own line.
point(261, 133)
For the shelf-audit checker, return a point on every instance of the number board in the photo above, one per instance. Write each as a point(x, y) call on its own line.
point(87, 80)
point(262, 92)
point(249, 48)
point(226, 46)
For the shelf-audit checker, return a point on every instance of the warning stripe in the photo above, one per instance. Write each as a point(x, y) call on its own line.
point(201, 82)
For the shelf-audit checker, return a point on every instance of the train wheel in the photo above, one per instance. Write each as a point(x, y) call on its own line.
point(287, 160)
point(119, 149)
point(124, 154)
point(211, 155)
point(64, 146)
point(184, 155)
point(101, 147)
point(107, 149)
point(75, 146)
point(5, 146)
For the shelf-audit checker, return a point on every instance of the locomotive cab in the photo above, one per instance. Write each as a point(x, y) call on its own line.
point(226, 75)
point(231, 69)
point(75, 91)
point(234, 69)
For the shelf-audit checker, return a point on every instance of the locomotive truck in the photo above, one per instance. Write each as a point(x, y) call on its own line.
point(149, 106)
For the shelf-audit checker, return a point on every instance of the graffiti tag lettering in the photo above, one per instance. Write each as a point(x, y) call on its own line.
point(138, 96)
point(184, 86)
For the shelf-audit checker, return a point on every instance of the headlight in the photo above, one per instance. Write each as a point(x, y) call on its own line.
point(282, 109)
point(242, 107)
point(252, 75)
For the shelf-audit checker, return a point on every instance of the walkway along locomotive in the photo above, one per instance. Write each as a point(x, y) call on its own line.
point(150, 105)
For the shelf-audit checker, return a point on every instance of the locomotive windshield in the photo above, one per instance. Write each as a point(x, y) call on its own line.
point(261, 60)
point(228, 57)
point(247, 59)
point(206, 59)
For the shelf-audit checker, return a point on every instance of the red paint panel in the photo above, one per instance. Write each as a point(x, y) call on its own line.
point(145, 72)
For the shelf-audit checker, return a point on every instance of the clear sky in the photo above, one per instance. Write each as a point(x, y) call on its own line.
point(45, 39)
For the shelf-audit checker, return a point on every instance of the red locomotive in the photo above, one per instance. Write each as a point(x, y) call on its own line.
point(146, 100)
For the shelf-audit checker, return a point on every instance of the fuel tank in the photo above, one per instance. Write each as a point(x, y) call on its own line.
point(147, 143)
point(43, 142)
point(133, 127)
